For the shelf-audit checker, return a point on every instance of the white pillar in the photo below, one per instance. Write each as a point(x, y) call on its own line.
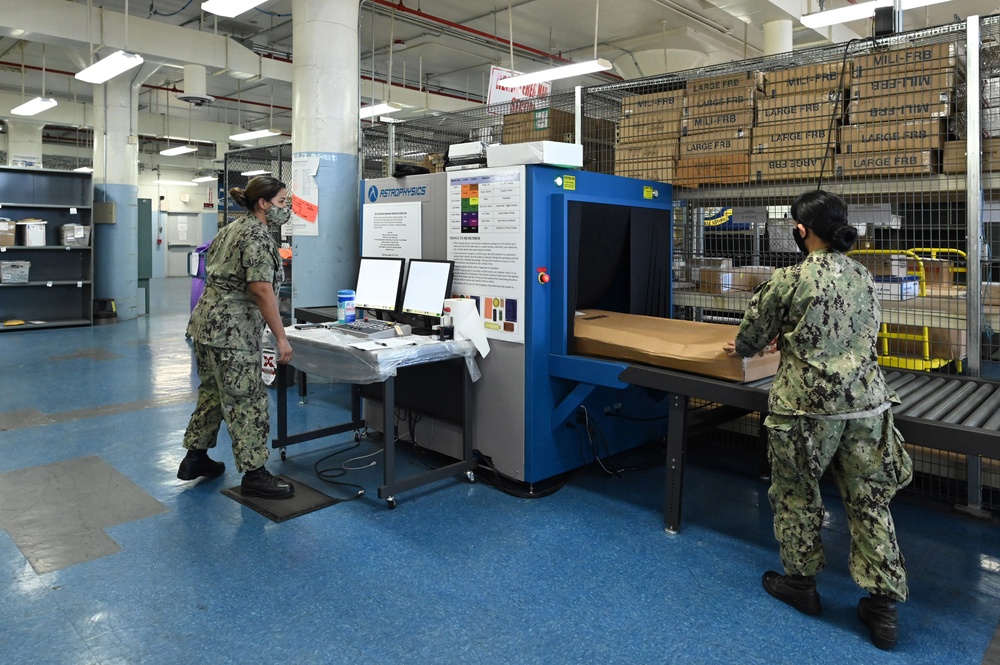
point(777, 37)
point(325, 127)
point(24, 143)
point(116, 181)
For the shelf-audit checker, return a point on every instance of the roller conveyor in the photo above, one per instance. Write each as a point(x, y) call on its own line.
point(951, 413)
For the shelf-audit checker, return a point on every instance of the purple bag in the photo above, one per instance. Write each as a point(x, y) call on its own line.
point(198, 280)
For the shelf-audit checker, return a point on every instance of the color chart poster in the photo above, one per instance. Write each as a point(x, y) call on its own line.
point(486, 237)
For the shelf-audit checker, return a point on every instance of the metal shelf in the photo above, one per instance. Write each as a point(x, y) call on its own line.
point(9, 204)
point(61, 323)
point(51, 282)
point(43, 247)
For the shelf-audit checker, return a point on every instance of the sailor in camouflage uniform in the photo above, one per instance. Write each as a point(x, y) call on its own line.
point(829, 407)
point(244, 272)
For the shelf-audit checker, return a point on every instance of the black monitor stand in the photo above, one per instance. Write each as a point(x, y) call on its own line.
point(426, 325)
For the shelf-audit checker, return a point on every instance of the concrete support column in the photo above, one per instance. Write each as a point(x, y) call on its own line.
point(325, 127)
point(116, 181)
point(24, 143)
point(777, 37)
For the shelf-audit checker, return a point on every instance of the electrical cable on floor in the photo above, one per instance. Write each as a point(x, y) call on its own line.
point(500, 481)
point(328, 475)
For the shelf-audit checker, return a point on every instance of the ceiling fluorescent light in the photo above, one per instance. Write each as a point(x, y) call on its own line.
point(563, 72)
point(176, 183)
point(34, 106)
point(378, 109)
point(257, 172)
point(205, 178)
point(857, 12)
point(179, 150)
point(256, 134)
point(229, 8)
point(83, 169)
point(109, 67)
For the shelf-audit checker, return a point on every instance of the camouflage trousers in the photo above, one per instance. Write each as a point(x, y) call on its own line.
point(869, 464)
point(232, 390)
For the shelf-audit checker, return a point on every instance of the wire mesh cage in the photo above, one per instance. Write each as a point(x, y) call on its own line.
point(242, 165)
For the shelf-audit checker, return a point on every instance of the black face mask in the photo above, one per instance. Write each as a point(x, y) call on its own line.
point(800, 241)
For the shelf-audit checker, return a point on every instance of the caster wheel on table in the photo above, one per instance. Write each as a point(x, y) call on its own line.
point(391, 502)
point(471, 475)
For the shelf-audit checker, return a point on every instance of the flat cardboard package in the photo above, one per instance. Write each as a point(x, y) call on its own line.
point(652, 160)
point(654, 125)
point(903, 83)
point(797, 135)
point(912, 135)
point(887, 63)
point(555, 153)
point(688, 346)
point(928, 104)
point(954, 156)
point(888, 163)
point(806, 163)
point(7, 234)
point(711, 103)
point(701, 124)
point(712, 143)
point(725, 169)
point(800, 106)
point(809, 78)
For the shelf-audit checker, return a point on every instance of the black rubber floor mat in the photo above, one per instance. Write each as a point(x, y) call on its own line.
point(305, 500)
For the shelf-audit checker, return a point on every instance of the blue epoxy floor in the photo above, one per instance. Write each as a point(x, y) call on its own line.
point(458, 573)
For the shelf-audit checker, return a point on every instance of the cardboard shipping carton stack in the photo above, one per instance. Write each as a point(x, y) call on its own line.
point(900, 102)
point(797, 120)
point(717, 123)
point(648, 129)
point(550, 124)
point(954, 156)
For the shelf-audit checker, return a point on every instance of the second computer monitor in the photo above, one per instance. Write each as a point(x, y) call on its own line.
point(378, 284)
point(428, 283)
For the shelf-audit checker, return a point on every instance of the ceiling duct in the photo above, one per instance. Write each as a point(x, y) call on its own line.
point(195, 79)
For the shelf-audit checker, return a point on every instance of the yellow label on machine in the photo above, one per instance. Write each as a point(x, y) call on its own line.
point(569, 182)
point(647, 192)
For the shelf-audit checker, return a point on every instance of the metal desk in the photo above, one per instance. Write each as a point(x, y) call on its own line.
point(324, 352)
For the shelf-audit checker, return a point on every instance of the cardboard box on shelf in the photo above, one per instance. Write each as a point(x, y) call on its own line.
point(789, 165)
point(896, 288)
point(653, 160)
point(910, 106)
point(798, 107)
point(888, 163)
point(687, 346)
point(713, 262)
point(74, 235)
point(700, 124)
point(7, 232)
point(725, 169)
point(653, 102)
point(954, 157)
point(14, 272)
point(725, 83)
point(724, 141)
point(883, 265)
point(903, 83)
point(883, 64)
point(714, 103)
point(800, 136)
point(808, 78)
point(936, 271)
point(654, 125)
point(941, 342)
point(924, 134)
point(553, 125)
point(31, 232)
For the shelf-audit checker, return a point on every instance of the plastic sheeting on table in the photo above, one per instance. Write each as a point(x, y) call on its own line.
point(323, 352)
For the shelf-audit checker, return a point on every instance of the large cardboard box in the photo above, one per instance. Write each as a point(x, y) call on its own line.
point(7, 233)
point(724, 169)
point(888, 163)
point(800, 106)
point(687, 346)
point(654, 102)
point(553, 125)
point(903, 83)
point(799, 136)
point(732, 280)
point(887, 63)
point(725, 83)
point(911, 106)
point(734, 120)
point(954, 156)
point(727, 140)
point(809, 78)
point(650, 126)
point(652, 160)
point(713, 103)
point(941, 342)
point(803, 164)
point(936, 271)
point(883, 265)
point(31, 232)
point(925, 134)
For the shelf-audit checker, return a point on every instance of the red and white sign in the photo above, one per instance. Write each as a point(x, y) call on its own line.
point(522, 98)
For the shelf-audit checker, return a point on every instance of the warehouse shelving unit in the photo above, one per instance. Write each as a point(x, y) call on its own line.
point(59, 291)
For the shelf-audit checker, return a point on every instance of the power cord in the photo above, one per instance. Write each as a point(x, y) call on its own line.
point(328, 475)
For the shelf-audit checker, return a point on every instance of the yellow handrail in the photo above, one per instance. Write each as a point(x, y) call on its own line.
point(921, 277)
point(934, 251)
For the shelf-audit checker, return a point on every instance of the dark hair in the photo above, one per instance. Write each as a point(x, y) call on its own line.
point(262, 187)
point(826, 215)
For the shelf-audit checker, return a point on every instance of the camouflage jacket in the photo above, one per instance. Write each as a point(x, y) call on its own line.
point(226, 315)
point(826, 318)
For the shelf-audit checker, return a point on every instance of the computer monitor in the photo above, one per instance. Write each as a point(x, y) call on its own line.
point(379, 282)
point(428, 283)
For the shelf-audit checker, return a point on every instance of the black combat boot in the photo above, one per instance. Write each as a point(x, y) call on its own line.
point(799, 591)
point(197, 463)
point(260, 482)
point(879, 614)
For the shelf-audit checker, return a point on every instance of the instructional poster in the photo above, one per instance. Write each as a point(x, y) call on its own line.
point(391, 230)
point(486, 239)
point(305, 196)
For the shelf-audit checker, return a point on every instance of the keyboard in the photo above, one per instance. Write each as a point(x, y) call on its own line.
point(372, 328)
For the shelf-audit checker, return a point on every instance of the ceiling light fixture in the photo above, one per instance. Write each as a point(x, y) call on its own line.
point(257, 172)
point(176, 183)
point(179, 150)
point(110, 67)
point(256, 134)
point(83, 169)
point(379, 109)
point(857, 12)
point(205, 178)
point(34, 106)
point(229, 8)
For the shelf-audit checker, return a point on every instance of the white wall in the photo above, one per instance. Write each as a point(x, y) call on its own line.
point(173, 202)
